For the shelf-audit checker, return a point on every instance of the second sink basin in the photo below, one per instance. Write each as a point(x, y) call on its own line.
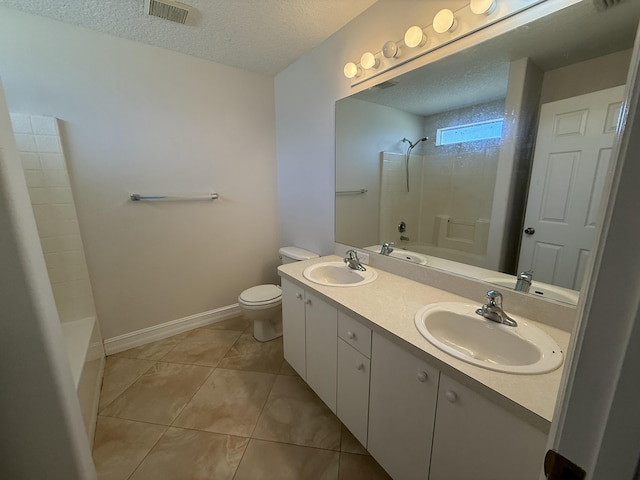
point(338, 274)
point(456, 329)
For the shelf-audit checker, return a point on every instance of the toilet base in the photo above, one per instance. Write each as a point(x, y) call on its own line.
point(267, 330)
point(267, 323)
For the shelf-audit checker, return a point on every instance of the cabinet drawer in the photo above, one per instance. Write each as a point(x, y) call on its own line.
point(355, 334)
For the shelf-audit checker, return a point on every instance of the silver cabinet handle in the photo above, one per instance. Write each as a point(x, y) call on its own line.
point(360, 366)
point(351, 335)
point(422, 376)
point(298, 295)
point(452, 397)
point(308, 301)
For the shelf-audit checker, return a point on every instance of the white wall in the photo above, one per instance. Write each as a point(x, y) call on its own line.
point(142, 119)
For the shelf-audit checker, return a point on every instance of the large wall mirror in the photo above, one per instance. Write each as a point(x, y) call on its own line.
point(491, 161)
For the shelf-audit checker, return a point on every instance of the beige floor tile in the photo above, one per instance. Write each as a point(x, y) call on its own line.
point(191, 455)
point(360, 467)
point(119, 374)
point(120, 445)
point(153, 350)
point(250, 354)
point(202, 346)
point(160, 394)
point(350, 444)
point(294, 414)
point(278, 461)
point(239, 324)
point(230, 401)
point(286, 369)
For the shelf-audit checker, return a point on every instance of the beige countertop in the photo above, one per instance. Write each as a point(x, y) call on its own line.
point(388, 306)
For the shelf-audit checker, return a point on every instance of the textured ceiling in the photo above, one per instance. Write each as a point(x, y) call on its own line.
point(263, 36)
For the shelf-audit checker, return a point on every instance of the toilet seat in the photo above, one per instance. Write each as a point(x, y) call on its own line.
point(261, 295)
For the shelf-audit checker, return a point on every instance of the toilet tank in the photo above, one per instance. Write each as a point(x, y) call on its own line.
point(295, 254)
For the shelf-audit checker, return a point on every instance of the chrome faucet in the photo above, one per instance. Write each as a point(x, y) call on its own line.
point(387, 248)
point(523, 282)
point(353, 261)
point(492, 310)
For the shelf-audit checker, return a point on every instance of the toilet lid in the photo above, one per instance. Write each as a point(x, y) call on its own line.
point(261, 294)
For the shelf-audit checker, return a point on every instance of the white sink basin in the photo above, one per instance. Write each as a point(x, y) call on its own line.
point(407, 255)
point(456, 329)
point(544, 290)
point(338, 274)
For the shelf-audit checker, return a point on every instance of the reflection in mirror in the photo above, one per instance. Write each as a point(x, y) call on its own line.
point(511, 176)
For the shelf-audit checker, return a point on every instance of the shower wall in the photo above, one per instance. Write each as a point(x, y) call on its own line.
point(396, 204)
point(49, 187)
point(458, 180)
point(45, 171)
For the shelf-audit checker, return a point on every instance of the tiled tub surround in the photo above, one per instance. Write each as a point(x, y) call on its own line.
point(45, 171)
point(388, 306)
point(215, 403)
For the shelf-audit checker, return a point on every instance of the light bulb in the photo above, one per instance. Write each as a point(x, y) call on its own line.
point(483, 7)
point(369, 60)
point(351, 70)
point(444, 21)
point(390, 50)
point(414, 37)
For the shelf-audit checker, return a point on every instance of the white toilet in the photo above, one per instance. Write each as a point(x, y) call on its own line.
point(263, 304)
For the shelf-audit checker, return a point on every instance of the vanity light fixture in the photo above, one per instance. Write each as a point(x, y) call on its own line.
point(444, 21)
point(448, 25)
point(390, 50)
point(369, 60)
point(351, 70)
point(414, 37)
point(483, 7)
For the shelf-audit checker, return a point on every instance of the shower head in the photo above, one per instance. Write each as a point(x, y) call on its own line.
point(411, 144)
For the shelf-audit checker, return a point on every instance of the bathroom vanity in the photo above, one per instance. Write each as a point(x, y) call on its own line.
point(420, 412)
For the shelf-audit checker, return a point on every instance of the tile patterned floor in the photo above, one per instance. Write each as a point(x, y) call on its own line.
point(214, 403)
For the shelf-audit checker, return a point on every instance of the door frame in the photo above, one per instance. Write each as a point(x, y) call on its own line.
point(595, 422)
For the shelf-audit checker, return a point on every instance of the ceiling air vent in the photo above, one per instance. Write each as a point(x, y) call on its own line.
point(167, 9)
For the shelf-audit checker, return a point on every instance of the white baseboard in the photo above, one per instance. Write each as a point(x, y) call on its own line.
point(168, 329)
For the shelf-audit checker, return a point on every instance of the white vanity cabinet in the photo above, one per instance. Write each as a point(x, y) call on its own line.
point(354, 350)
point(475, 438)
point(416, 421)
point(402, 408)
point(310, 331)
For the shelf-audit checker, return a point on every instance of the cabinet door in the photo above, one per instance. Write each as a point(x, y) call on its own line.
point(353, 390)
point(401, 410)
point(293, 326)
point(474, 438)
point(322, 348)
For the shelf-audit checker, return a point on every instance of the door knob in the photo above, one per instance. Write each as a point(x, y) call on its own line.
point(529, 231)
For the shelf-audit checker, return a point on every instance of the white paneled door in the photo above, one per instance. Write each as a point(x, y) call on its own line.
point(570, 165)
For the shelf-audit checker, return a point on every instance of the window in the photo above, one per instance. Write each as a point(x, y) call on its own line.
point(471, 132)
